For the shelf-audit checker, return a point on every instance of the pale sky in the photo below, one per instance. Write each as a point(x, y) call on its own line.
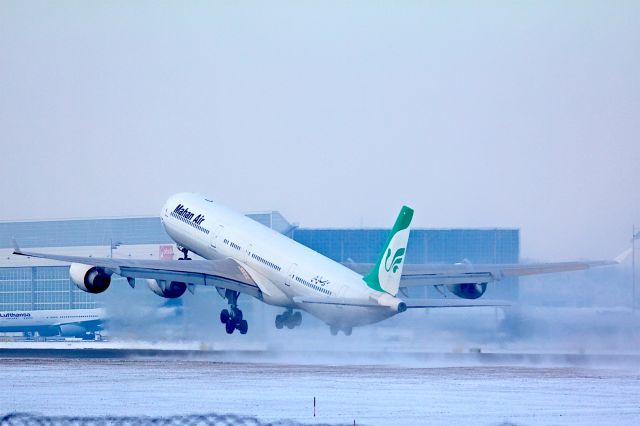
point(502, 114)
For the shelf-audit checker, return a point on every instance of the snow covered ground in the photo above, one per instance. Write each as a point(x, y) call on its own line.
point(376, 395)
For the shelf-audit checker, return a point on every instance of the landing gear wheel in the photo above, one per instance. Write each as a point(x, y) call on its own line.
point(286, 316)
point(289, 319)
point(296, 319)
point(232, 317)
point(243, 327)
point(334, 330)
point(237, 314)
point(347, 331)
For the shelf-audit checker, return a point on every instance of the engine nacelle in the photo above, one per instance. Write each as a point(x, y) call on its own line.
point(168, 290)
point(468, 291)
point(75, 330)
point(89, 278)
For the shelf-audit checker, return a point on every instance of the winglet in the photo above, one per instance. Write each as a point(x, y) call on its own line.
point(16, 247)
point(622, 256)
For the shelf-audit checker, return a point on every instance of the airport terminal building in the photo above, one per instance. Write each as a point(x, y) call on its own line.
point(37, 284)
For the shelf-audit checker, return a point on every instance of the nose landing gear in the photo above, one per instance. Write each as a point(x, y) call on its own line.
point(289, 319)
point(185, 253)
point(232, 317)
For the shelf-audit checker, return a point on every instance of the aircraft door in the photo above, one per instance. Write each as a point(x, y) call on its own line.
point(291, 275)
point(215, 236)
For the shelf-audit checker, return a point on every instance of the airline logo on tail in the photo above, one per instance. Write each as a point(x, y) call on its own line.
point(396, 262)
point(385, 276)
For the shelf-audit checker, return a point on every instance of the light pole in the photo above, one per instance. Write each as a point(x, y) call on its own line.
point(635, 236)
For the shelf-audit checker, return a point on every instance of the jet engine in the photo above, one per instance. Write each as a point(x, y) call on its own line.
point(168, 290)
point(468, 291)
point(89, 278)
point(67, 330)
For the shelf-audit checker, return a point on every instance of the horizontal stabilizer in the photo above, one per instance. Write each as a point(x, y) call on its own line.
point(410, 303)
point(452, 303)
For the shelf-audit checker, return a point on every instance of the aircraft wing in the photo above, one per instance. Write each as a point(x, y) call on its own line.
point(464, 273)
point(224, 273)
point(419, 275)
point(89, 324)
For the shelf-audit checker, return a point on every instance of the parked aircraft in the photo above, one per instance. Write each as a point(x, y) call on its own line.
point(83, 323)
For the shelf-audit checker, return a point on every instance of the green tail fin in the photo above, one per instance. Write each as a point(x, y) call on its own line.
point(385, 275)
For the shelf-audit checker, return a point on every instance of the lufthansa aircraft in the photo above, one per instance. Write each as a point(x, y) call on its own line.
point(245, 257)
point(83, 323)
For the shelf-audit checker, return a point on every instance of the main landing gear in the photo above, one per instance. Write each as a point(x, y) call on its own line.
point(334, 330)
point(288, 318)
point(185, 253)
point(232, 317)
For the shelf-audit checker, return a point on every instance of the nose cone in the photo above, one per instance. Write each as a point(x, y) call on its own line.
point(165, 208)
point(182, 198)
point(173, 201)
point(169, 205)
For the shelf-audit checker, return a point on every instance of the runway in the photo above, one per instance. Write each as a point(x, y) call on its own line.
point(369, 394)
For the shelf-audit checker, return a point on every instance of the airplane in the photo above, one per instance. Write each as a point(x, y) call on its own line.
point(83, 323)
point(242, 256)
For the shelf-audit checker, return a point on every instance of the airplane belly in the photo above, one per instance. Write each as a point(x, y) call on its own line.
point(348, 316)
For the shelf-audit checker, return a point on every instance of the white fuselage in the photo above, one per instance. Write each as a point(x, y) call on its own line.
point(283, 268)
point(11, 321)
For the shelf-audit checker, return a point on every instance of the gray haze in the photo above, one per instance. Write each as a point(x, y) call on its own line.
point(502, 115)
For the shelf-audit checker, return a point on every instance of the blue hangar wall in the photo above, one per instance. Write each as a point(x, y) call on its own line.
point(49, 287)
